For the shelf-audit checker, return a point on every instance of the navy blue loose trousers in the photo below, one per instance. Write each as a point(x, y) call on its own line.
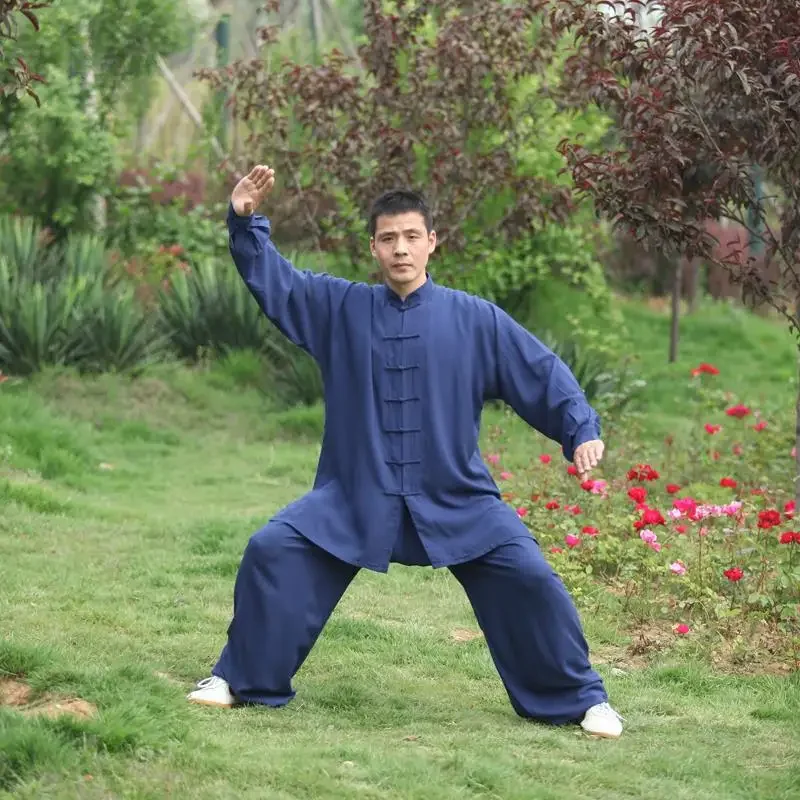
point(287, 587)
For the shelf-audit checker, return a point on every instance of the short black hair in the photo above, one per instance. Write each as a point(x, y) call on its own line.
point(399, 201)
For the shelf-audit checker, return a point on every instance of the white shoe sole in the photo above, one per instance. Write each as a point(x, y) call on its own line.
point(214, 703)
point(595, 735)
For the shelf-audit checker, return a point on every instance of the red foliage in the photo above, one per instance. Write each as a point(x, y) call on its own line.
point(427, 105)
point(21, 76)
point(705, 96)
point(190, 188)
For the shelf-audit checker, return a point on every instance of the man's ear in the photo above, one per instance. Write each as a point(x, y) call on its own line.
point(372, 246)
point(431, 242)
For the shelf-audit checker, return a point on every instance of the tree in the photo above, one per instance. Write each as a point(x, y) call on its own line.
point(707, 100)
point(432, 101)
point(21, 76)
point(57, 163)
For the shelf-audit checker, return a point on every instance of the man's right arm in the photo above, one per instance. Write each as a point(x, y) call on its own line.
point(300, 303)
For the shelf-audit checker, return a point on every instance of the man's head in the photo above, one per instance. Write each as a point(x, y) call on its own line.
point(402, 239)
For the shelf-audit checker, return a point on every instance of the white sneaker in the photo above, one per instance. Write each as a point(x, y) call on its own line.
point(601, 720)
point(213, 691)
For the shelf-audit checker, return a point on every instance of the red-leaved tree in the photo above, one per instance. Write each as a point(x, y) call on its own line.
point(18, 76)
point(429, 102)
point(706, 99)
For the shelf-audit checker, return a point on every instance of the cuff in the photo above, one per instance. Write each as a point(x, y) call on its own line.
point(237, 223)
point(586, 433)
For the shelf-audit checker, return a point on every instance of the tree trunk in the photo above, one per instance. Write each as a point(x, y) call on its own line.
point(317, 34)
point(797, 428)
point(694, 279)
point(97, 203)
point(676, 311)
point(797, 452)
point(188, 106)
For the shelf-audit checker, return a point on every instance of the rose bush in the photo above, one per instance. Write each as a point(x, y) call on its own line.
point(693, 535)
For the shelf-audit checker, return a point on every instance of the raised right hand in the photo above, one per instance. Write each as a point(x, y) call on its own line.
point(251, 190)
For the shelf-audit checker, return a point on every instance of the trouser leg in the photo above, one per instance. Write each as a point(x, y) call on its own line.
point(286, 589)
point(533, 632)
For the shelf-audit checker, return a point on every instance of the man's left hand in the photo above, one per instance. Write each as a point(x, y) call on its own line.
point(587, 457)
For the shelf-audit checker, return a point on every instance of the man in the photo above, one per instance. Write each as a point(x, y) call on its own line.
point(407, 367)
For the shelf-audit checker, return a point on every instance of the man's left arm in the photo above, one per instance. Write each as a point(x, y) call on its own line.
point(542, 390)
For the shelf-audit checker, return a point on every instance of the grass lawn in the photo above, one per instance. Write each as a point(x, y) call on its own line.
point(125, 509)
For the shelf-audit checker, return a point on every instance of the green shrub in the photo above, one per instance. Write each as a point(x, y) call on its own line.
point(115, 333)
point(59, 306)
point(608, 386)
point(210, 309)
point(57, 159)
point(296, 379)
point(24, 246)
point(37, 322)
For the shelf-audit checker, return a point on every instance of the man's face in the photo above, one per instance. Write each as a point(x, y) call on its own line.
point(402, 246)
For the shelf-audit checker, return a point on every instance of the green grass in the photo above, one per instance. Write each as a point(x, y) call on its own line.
point(125, 509)
point(757, 358)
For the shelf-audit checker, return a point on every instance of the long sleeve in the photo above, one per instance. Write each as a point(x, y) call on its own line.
point(540, 387)
point(300, 303)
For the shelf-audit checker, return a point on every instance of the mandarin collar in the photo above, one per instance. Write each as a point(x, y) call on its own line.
point(415, 298)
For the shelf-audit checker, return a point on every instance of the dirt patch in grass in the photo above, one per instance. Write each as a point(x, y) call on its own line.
point(14, 693)
point(759, 651)
point(464, 635)
point(19, 696)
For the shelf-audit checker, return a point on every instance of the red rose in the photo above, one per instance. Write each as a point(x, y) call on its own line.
point(642, 472)
point(572, 470)
point(682, 629)
point(545, 458)
point(789, 537)
point(686, 505)
point(673, 488)
point(788, 509)
point(552, 505)
point(652, 516)
point(728, 483)
point(768, 519)
point(589, 530)
point(638, 494)
point(587, 486)
point(704, 369)
point(738, 411)
point(734, 574)
point(712, 429)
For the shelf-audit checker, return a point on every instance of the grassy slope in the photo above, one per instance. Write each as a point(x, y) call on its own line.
point(116, 586)
point(757, 358)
